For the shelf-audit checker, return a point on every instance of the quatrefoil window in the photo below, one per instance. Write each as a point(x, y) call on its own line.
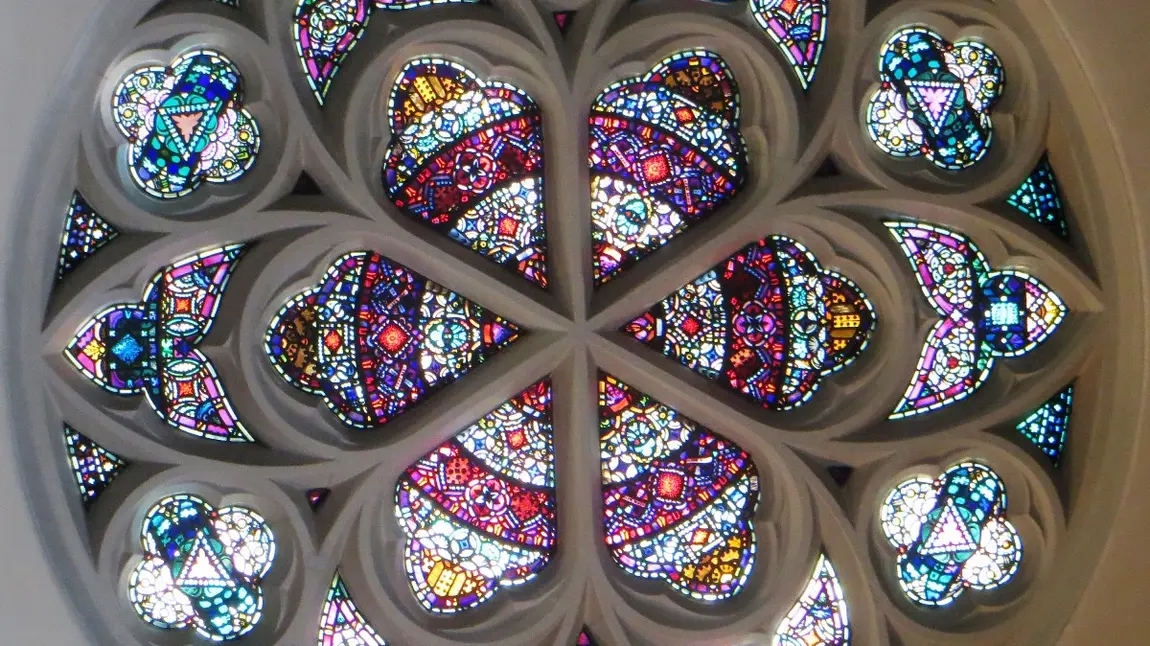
point(186, 124)
point(935, 99)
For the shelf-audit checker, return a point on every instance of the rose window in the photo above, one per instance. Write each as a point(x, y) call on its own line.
point(450, 321)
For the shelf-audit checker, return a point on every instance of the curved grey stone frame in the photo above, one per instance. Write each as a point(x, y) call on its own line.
point(1060, 514)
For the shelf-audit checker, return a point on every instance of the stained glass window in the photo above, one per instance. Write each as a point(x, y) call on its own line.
point(799, 28)
point(85, 232)
point(769, 322)
point(93, 466)
point(951, 534)
point(986, 314)
point(819, 617)
point(466, 157)
point(268, 275)
point(679, 500)
point(186, 124)
point(373, 338)
point(1041, 200)
point(341, 624)
point(316, 497)
point(585, 638)
point(150, 347)
point(935, 98)
point(202, 568)
point(327, 30)
point(666, 151)
point(563, 20)
point(1048, 424)
point(479, 511)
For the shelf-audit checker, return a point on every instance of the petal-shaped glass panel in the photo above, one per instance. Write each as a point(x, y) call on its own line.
point(466, 157)
point(479, 511)
point(678, 499)
point(666, 151)
point(769, 322)
point(799, 28)
point(373, 338)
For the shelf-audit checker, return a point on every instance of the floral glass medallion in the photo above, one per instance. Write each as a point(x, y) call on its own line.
point(935, 98)
point(951, 534)
point(186, 124)
point(202, 568)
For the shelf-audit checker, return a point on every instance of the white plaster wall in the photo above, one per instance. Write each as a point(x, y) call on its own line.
point(38, 39)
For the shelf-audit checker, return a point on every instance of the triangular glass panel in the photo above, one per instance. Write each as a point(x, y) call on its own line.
point(799, 29)
point(563, 20)
point(305, 185)
point(840, 473)
point(481, 184)
point(936, 98)
point(679, 500)
point(665, 152)
point(374, 338)
point(1040, 199)
point(93, 466)
point(828, 169)
point(820, 616)
point(949, 533)
point(1047, 426)
point(325, 32)
point(479, 511)
point(316, 497)
point(769, 322)
point(202, 568)
point(341, 623)
point(585, 638)
point(85, 232)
